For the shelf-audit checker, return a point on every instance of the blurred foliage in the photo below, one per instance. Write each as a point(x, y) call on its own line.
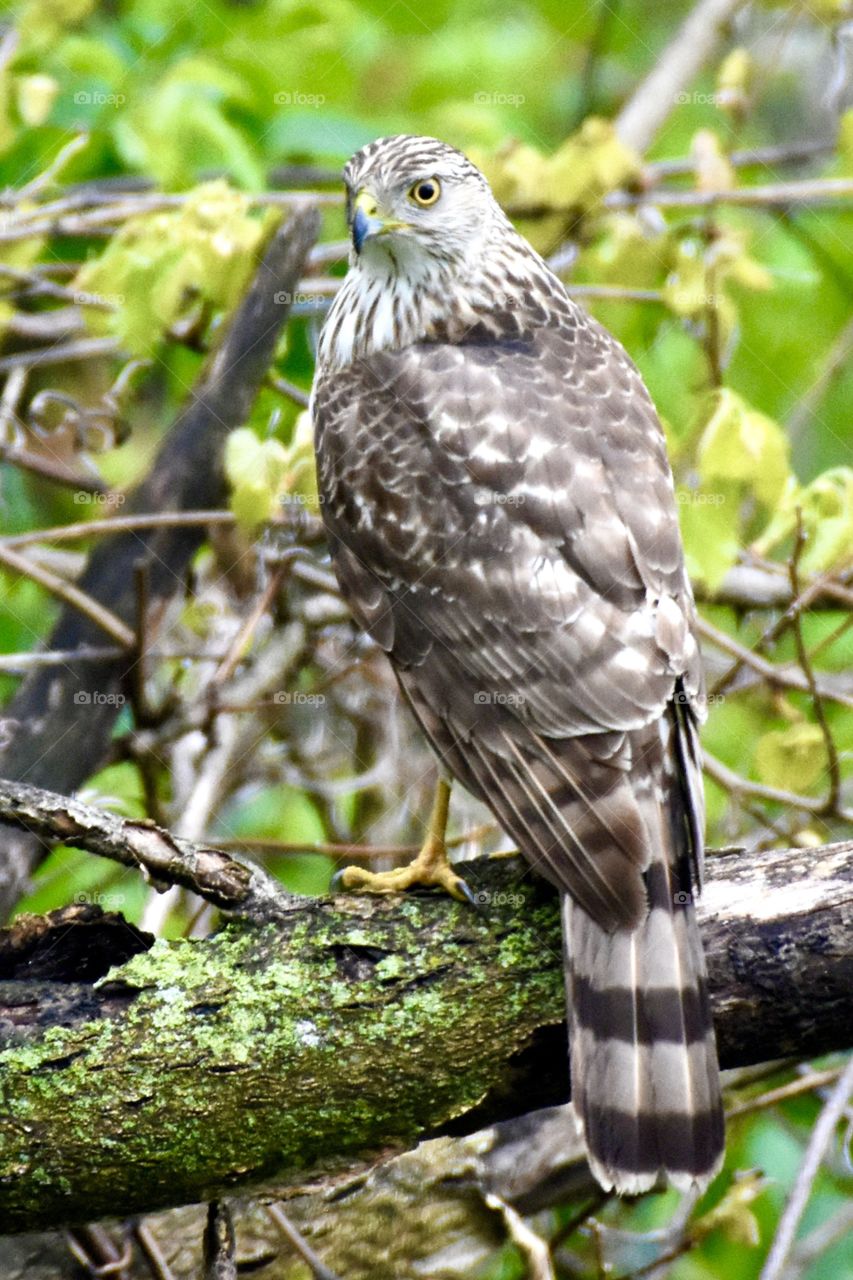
point(737, 315)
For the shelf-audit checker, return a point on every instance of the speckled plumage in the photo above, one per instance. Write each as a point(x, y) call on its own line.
point(502, 522)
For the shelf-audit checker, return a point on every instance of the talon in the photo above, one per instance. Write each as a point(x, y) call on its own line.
point(466, 894)
point(336, 884)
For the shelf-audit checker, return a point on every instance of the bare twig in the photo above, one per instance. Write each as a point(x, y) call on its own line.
point(298, 1242)
point(49, 469)
point(820, 1138)
point(835, 362)
point(152, 1252)
point(692, 46)
point(69, 594)
point(119, 524)
point(807, 191)
point(60, 353)
point(243, 639)
point(740, 786)
point(288, 389)
point(755, 157)
point(358, 852)
point(160, 855)
point(783, 677)
point(793, 1089)
point(44, 179)
point(833, 766)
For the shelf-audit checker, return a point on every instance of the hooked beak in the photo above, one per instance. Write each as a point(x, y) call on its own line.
point(368, 220)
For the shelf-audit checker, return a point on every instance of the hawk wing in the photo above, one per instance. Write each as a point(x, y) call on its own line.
point(503, 523)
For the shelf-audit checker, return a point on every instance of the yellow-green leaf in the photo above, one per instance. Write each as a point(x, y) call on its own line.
point(741, 444)
point(793, 758)
point(255, 470)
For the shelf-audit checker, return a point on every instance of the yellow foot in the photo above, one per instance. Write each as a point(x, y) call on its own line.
point(430, 868)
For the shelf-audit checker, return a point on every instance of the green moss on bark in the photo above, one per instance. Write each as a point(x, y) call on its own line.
point(354, 1026)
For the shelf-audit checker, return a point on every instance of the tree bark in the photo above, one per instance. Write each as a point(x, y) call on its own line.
point(356, 1026)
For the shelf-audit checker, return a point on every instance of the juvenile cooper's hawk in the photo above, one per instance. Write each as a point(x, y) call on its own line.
point(502, 522)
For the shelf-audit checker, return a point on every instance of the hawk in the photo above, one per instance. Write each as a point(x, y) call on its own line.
point(502, 522)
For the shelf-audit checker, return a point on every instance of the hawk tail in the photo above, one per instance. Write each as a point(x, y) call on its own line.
point(645, 1081)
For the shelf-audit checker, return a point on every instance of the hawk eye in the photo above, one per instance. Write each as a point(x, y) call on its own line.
point(425, 192)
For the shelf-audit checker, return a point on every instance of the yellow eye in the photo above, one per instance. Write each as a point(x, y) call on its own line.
point(425, 192)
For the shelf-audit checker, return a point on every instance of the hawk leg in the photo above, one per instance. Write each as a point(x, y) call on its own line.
point(430, 867)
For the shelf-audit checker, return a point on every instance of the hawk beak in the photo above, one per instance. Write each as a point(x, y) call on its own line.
point(368, 220)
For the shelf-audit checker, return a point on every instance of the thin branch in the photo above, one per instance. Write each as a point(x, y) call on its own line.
point(823, 585)
point(53, 170)
point(162, 856)
point(833, 765)
point(806, 191)
point(793, 1089)
point(820, 1138)
point(754, 157)
point(243, 639)
point(69, 594)
point(60, 353)
point(693, 45)
point(298, 1242)
point(783, 677)
point(48, 469)
point(740, 786)
point(288, 389)
point(836, 360)
point(103, 220)
point(119, 524)
point(152, 1252)
point(357, 852)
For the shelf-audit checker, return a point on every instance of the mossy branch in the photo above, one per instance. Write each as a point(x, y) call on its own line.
point(354, 1026)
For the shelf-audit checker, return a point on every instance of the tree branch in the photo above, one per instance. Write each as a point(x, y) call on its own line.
point(354, 1026)
point(213, 874)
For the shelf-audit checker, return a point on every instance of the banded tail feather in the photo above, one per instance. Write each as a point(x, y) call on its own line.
point(645, 1077)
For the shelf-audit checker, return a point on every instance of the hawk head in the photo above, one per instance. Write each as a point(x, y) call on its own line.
point(433, 257)
point(412, 201)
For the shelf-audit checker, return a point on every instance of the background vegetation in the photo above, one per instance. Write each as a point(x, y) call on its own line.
point(146, 152)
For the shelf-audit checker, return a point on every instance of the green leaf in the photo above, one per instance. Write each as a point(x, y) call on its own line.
point(256, 470)
point(793, 759)
point(826, 507)
point(158, 264)
point(741, 444)
point(710, 527)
